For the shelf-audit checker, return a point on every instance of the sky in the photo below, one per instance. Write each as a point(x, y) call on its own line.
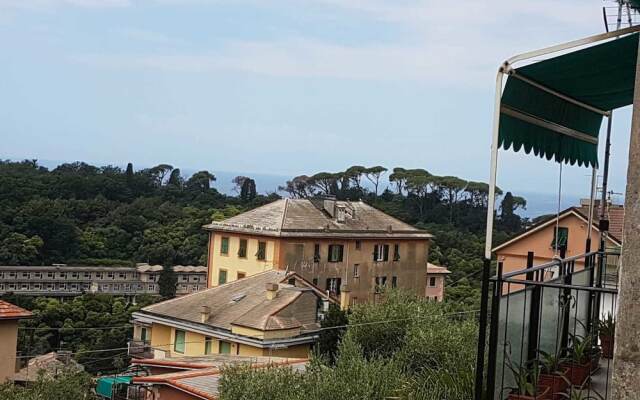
point(279, 87)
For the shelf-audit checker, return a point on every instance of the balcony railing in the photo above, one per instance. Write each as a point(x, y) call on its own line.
point(548, 329)
point(140, 349)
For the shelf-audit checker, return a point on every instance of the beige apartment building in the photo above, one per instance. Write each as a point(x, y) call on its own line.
point(335, 245)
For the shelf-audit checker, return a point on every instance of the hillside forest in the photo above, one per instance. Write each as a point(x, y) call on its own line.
point(78, 213)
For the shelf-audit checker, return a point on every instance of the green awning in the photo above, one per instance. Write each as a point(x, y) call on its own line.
point(105, 385)
point(548, 122)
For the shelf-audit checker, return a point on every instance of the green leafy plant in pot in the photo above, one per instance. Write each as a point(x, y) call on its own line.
point(526, 379)
point(607, 332)
point(553, 374)
point(579, 359)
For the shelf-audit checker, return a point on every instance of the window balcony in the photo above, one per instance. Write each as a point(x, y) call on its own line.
point(140, 349)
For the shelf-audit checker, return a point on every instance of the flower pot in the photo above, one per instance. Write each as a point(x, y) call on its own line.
point(578, 373)
point(556, 382)
point(606, 342)
point(543, 394)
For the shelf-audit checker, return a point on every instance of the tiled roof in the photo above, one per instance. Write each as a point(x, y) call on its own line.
point(615, 213)
point(314, 217)
point(11, 311)
point(204, 382)
point(435, 269)
point(242, 302)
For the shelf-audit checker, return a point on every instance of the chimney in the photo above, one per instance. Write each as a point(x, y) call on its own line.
point(205, 313)
point(345, 297)
point(272, 291)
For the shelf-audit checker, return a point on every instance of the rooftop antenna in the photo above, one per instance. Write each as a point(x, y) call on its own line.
point(618, 12)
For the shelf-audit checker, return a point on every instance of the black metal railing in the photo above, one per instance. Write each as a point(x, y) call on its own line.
point(549, 329)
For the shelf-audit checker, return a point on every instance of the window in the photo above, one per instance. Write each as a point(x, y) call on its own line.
point(38, 275)
point(333, 285)
point(315, 281)
point(74, 275)
point(358, 245)
point(396, 252)
point(183, 277)
point(562, 240)
point(143, 334)
point(116, 287)
point(380, 283)
point(224, 245)
point(87, 274)
point(381, 252)
point(121, 275)
point(224, 347)
point(356, 270)
point(241, 275)
point(335, 252)
point(62, 286)
point(432, 281)
point(316, 252)
point(49, 275)
point(37, 286)
point(222, 277)
point(208, 342)
point(99, 275)
point(25, 275)
point(151, 287)
point(24, 286)
point(13, 274)
point(110, 275)
point(242, 250)
point(261, 254)
point(292, 281)
point(394, 281)
point(178, 344)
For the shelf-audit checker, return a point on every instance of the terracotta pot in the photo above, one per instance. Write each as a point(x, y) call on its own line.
point(543, 394)
point(606, 342)
point(557, 383)
point(578, 373)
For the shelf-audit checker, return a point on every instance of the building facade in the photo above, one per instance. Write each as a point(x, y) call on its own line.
point(273, 313)
point(327, 242)
point(64, 281)
point(540, 239)
point(10, 314)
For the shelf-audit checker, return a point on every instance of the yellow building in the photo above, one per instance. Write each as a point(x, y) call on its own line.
point(273, 313)
point(10, 314)
point(327, 242)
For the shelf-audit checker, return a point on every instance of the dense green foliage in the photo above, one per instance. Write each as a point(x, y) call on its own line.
point(81, 213)
point(85, 325)
point(65, 386)
point(425, 351)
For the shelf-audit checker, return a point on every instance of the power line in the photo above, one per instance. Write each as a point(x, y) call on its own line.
point(73, 329)
point(320, 329)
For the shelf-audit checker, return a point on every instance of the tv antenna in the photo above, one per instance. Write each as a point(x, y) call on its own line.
point(620, 13)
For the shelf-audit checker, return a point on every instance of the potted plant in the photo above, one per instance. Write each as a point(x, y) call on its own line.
point(579, 360)
point(607, 331)
point(526, 378)
point(553, 374)
point(580, 393)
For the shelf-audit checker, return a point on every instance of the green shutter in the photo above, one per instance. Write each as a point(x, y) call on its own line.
point(224, 347)
point(178, 345)
point(222, 277)
point(562, 239)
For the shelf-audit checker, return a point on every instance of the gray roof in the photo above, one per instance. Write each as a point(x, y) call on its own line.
point(313, 218)
point(242, 302)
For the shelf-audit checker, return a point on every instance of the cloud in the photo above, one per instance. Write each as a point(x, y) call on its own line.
point(42, 5)
point(457, 43)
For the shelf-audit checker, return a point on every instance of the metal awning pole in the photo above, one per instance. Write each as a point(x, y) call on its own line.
point(592, 196)
point(493, 171)
point(484, 299)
